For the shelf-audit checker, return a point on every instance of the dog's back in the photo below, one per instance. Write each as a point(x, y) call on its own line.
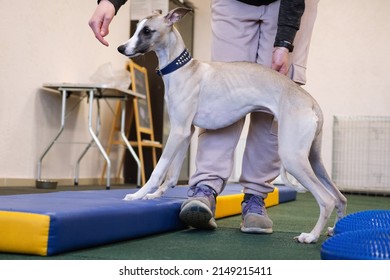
point(230, 90)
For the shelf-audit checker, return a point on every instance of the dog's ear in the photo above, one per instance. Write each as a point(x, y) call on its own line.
point(175, 15)
point(157, 12)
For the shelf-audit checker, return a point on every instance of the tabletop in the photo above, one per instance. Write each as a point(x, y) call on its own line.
point(102, 91)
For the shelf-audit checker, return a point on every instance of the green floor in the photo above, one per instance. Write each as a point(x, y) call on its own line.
point(227, 242)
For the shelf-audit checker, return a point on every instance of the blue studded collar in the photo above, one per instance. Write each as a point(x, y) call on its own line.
point(180, 61)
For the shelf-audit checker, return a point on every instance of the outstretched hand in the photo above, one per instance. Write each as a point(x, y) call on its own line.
point(101, 20)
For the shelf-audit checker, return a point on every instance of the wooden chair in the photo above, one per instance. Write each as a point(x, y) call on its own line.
point(141, 117)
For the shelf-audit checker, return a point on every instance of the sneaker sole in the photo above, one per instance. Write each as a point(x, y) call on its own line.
point(256, 230)
point(197, 215)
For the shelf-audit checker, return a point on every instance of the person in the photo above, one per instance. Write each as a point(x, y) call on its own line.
point(259, 31)
point(263, 32)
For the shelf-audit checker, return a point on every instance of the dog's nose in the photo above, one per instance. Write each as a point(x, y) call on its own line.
point(122, 49)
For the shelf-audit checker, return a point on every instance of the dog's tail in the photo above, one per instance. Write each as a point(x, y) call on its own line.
point(298, 187)
point(318, 166)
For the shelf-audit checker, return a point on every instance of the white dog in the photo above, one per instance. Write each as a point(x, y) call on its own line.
point(214, 95)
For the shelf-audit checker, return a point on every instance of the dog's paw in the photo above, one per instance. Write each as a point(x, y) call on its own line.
point(306, 238)
point(132, 196)
point(156, 194)
point(330, 231)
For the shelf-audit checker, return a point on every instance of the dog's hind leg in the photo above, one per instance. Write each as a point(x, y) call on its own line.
point(321, 173)
point(295, 141)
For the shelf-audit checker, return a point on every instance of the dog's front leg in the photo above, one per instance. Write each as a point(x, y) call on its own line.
point(177, 144)
point(173, 173)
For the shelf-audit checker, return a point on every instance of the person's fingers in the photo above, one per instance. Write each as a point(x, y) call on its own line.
point(283, 69)
point(275, 67)
point(104, 31)
point(104, 28)
point(96, 27)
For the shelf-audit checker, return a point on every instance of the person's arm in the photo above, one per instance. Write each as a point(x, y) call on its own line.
point(290, 14)
point(102, 17)
point(117, 4)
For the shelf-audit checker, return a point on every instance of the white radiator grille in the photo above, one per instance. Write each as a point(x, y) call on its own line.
point(361, 154)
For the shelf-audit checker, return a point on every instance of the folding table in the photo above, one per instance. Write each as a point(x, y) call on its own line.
point(92, 91)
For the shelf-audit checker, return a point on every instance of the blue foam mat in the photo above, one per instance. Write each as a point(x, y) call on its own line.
point(82, 219)
point(89, 218)
point(286, 194)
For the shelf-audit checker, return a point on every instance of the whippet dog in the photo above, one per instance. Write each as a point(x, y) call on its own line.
point(214, 95)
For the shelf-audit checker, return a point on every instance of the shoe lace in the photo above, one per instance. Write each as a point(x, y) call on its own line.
point(200, 190)
point(255, 204)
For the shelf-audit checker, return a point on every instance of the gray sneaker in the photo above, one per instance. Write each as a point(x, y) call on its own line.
point(199, 209)
point(254, 215)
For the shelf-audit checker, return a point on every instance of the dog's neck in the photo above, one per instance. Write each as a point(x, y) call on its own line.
point(171, 49)
point(175, 64)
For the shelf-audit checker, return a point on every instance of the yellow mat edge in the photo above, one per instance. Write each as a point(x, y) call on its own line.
point(23, 232)
point(229, 205)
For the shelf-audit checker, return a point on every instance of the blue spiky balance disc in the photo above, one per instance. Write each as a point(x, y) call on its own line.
point(362, 235)
point(358, 245)
point(369, 219)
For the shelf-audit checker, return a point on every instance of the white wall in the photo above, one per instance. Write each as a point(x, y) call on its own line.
point(349, 61)
point(48, 41)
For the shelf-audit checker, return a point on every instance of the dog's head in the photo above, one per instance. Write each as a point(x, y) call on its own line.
point(152, 32)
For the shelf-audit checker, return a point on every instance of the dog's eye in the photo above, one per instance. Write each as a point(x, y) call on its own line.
point(146, 30)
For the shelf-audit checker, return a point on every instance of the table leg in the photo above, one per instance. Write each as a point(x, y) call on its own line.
point(96, 139)
point(124, 138)
point(77, 166)
point(63, 109)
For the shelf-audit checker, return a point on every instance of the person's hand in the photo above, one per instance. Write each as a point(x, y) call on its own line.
point(101, 19)
point(280, 60)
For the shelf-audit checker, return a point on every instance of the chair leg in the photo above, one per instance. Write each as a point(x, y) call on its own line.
point(141, 158)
